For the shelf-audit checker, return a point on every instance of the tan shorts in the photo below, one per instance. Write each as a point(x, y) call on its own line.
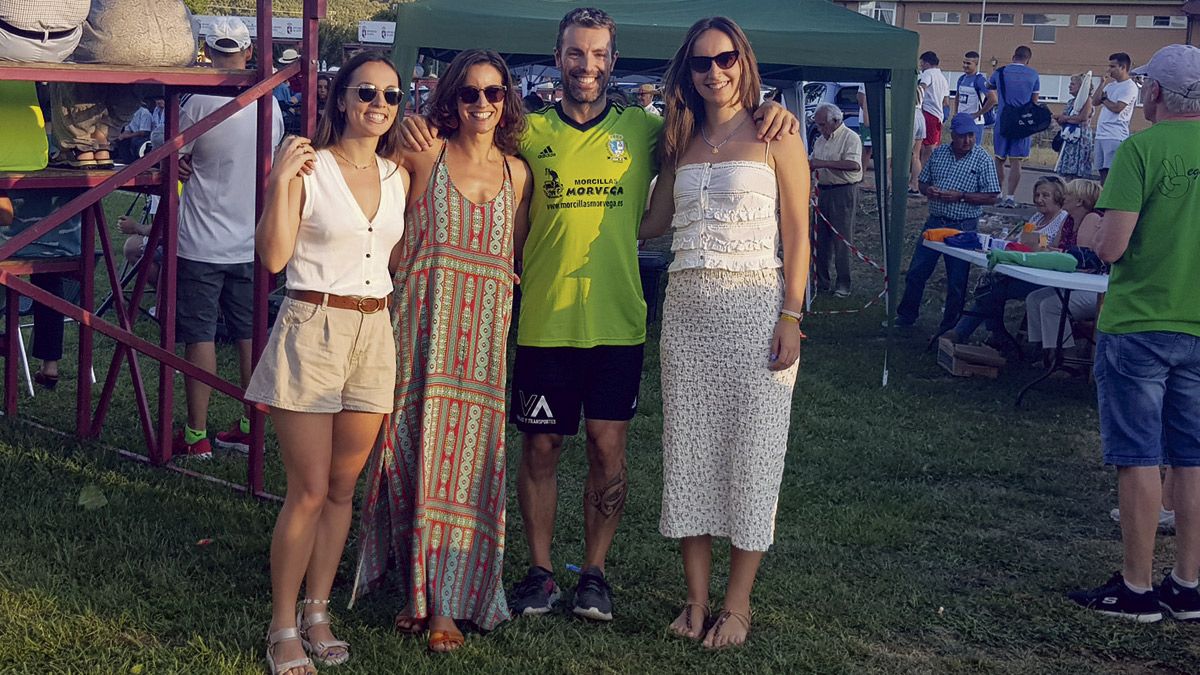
point(325, 360)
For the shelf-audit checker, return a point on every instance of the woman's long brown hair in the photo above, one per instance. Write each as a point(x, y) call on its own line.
point(684, 106)
point(443, 105)
point(332, 122)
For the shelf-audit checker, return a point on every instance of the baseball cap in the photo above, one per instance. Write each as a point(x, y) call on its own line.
point(963, 123)
point(289, 55)
point(228, 35)
point(1176, 68)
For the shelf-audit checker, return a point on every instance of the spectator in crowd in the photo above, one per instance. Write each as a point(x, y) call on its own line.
point(216, 239)
point(1116, 97)
point(1043, 308)
point(645, 97)
point(532, 102)
point(837, 160)
point(288, 93)
point(322, 91)
point(973, 96)
point(1148, 350)
point(997, 289)
point(959, 180)
point(135, 133)
point(89, 117)
point(935, 91)
point(41, 31)
point(18, 212)
point(864, 127)
point(919, 131)
point(1017, 85)
point(1075, 158)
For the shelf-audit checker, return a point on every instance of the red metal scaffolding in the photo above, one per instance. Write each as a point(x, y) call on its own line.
point(157, 173)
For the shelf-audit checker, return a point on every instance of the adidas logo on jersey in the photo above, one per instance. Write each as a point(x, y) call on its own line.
point(547, 152)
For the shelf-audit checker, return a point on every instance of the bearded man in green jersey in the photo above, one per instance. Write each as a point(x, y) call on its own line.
point(583, 318)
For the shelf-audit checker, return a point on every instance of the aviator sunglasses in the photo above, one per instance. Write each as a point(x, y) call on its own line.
point(367, 93)
point(494, 94)
point(724, 61)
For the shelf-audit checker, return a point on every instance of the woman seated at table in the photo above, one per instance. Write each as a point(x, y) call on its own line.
point(996, 289)
point(1043, 306)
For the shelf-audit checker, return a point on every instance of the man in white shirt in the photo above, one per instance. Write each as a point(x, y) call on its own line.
point(974, 97)
point(837, 161)
point(645, 97)
point(1116, 98)
point(216, 238)
point(935, 92)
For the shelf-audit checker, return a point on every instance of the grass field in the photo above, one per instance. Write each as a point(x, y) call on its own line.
point(923, 527)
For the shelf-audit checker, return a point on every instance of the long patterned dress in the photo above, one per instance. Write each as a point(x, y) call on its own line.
point(435, 493)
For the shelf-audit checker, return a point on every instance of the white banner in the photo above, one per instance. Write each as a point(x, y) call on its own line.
point(281, 28)
point(378, 32)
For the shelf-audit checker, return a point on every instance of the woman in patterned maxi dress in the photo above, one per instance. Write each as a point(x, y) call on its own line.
point(435, 508)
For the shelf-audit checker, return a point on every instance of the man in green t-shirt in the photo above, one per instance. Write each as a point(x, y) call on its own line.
point(583, 318)
point(1148, 350)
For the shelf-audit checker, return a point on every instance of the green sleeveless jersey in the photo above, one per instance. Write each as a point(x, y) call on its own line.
point(580, 285)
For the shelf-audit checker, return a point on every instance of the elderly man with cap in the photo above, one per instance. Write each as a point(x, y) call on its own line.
point(216, 238)
point(645, 98)
point(1148, 350)
point(837, 160)
point(959, 179)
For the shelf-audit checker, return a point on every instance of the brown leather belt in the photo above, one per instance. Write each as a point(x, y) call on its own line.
point(364, 305)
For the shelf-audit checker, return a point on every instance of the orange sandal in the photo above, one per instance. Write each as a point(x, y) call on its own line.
point(445, 641)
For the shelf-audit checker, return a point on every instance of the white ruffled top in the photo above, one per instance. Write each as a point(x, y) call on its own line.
point(726, 217)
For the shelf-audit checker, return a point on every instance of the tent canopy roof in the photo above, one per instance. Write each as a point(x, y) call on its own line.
point(793, 39)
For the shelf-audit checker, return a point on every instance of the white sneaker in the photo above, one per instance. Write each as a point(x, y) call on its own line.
point(1166, 520)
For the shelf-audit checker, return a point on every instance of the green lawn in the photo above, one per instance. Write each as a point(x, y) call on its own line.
point(923, 527)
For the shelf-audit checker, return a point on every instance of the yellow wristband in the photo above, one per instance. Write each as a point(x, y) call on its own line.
point(789, 317)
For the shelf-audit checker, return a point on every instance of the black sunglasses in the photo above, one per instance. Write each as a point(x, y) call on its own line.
point(493, 94)
point(702, 64)
point(367, 93)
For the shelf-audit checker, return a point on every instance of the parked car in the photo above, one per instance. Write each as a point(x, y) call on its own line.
point(842, 94)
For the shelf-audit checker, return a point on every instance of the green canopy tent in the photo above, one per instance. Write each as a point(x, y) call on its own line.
point(794, 40)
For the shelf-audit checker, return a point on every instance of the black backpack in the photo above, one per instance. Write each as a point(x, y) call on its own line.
point(1020, 121)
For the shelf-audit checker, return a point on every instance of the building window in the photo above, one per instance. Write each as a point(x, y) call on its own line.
point(1161, 22)
point(1045, 19)
point(990, 19)
point(1044, 33)
point(1104, 20)
point(951, 18)
point(880, 11)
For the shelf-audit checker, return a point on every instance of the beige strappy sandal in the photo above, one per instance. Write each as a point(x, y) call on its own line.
point(722, 618)
point(283, 635)
point(687, 607)
point(325, 652)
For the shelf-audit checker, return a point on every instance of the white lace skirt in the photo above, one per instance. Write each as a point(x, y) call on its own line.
point(725, 415)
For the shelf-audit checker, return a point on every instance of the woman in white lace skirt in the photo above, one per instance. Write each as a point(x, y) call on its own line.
point(731, 326)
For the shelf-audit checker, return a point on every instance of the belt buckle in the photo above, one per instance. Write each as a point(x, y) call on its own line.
point(376, 304)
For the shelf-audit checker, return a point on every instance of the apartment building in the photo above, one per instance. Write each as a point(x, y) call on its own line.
point(1066, 36)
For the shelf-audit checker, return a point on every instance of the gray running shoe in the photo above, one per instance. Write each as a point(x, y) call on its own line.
point(593, 597)
point(535, 594)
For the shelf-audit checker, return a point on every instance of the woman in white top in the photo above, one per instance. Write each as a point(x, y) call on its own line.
point(997, 289)
point(731, 333)
point(334, 213)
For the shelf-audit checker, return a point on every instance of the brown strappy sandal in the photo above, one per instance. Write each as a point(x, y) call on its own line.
point(724, 616)
point(410, 625)
point(687, 610)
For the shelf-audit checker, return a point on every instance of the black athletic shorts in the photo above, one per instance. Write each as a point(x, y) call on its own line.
point(205, 291)
point(550, 384)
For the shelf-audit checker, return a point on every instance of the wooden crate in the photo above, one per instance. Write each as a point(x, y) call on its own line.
point(969, 360)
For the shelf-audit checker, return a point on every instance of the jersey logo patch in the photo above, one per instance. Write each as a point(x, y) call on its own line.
point(616, 148)
point(552, 187)
point(546, 153)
